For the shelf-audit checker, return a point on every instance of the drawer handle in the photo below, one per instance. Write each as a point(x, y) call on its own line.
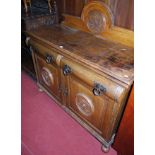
point(49, 59)
point(98, 89)
point(66, 70)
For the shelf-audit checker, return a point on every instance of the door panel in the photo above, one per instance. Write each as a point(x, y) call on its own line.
point(48, 76)
point(90, 108)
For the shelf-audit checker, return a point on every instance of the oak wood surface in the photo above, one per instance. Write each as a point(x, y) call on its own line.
point(109, 57)
point(97, 18)
point(113, 102)
point(81, 81)
point(89, 75)
point(107, 108)
point(124, 141)
point(121, 9)
point(125, 14)
point(115, 34)
point(53, 81)
point(110, 106)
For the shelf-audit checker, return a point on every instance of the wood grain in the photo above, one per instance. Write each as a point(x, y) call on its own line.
point(105, 113)
point(116, 34)
point(125, 14)
point(123, 10)
point(104, 55)
point(91, 74)
point(53, 81)
point(97, 16)
point(72, 7)
point(88, 66)
point(124, 141)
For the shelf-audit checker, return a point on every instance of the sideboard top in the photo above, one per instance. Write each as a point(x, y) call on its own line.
point(114, 59)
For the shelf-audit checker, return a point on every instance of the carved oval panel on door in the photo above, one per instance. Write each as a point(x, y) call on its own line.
point(47, 76)
point(84, 104)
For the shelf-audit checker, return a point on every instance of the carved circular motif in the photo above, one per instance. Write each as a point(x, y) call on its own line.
point(47, 76)
point(96, 21)
point(84, 104)
point(97, 17)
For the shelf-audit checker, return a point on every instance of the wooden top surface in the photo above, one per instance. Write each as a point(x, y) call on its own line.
point(114, 59)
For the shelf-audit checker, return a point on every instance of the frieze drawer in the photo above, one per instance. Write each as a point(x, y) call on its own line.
point(48, 54)
point(111, 89)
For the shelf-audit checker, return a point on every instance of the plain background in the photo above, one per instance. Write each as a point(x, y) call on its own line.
point(10, 77)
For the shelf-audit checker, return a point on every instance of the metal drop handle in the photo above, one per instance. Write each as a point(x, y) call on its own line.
point(66, 70)
point(49, 59)
point(98, 89)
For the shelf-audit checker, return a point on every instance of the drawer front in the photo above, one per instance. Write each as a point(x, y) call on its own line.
point(48, 76)
point(111, 89)
point(49, 55)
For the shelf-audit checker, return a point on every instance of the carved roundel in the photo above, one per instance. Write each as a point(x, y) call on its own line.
point(84, 104)
point(47, 76)
point(97, 17)
point(96, 21)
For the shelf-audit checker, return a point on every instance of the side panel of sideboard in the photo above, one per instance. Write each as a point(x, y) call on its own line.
point(124, 141)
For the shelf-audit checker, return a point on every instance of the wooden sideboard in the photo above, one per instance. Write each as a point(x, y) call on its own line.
point(87, 67)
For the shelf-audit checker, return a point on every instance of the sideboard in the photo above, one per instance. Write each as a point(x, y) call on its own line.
point(87, 66)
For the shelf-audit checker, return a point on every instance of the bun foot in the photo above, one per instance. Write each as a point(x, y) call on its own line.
point(40, 90)
point(105, 149)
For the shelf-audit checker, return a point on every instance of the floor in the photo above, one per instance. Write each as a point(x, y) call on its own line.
point(48, 130)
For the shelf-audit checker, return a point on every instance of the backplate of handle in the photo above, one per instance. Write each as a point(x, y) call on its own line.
point(98, 89)
point(66, 70)
point(49, 59)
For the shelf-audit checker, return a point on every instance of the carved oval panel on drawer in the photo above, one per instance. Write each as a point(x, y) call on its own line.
point(84, 104)
point(47, 76)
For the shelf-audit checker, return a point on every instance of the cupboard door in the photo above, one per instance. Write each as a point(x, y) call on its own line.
point(48, 76)
point(90, 108)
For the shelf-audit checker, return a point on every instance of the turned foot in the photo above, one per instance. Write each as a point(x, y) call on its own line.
point(105, 149)
point(40, 90)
